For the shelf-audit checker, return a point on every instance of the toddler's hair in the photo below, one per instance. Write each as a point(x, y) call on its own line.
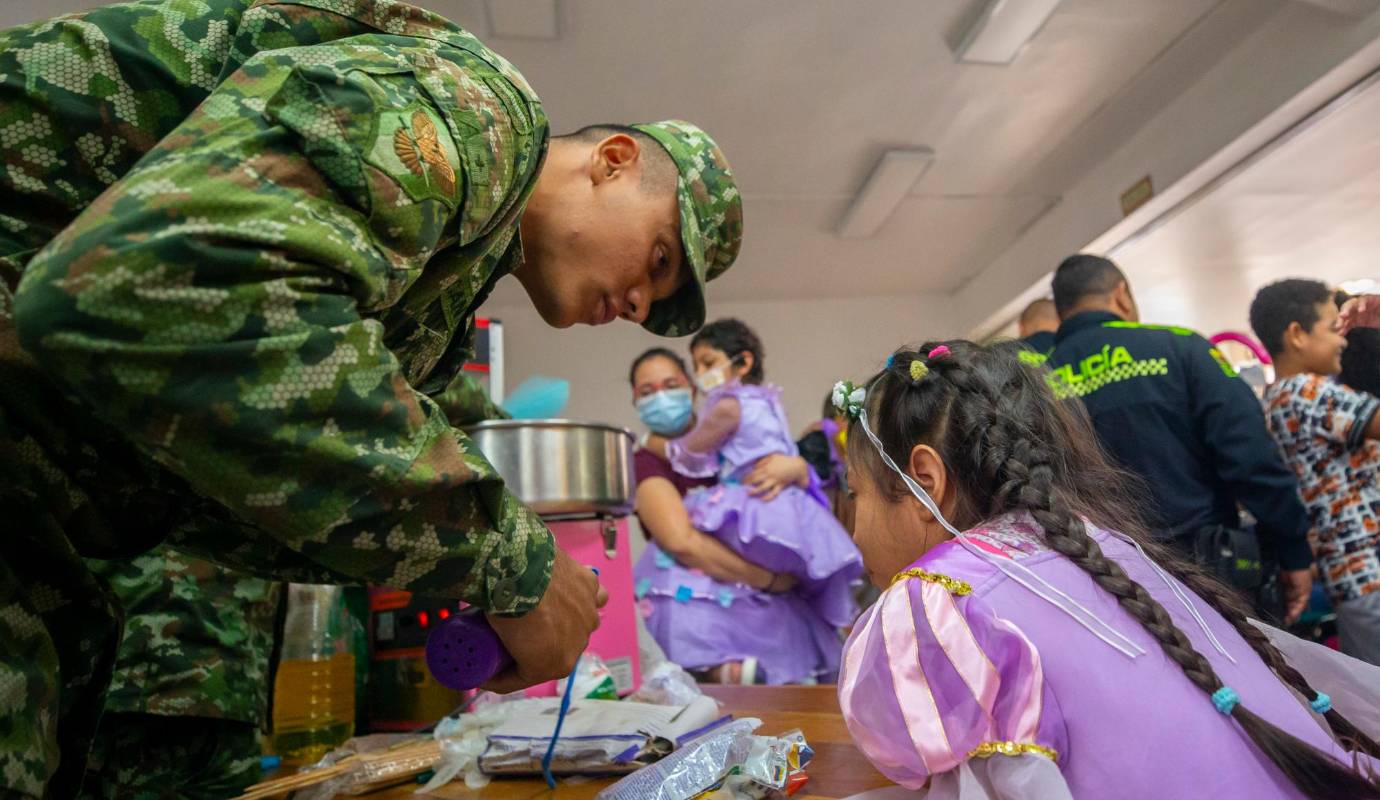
point(734, 338)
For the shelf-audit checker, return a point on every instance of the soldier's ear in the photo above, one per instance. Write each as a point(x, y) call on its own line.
point(613, 158)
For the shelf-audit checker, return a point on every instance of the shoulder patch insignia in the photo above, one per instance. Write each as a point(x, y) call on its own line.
point(415, 148)
point(420, 151)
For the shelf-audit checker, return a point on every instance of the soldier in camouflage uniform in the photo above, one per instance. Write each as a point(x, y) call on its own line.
point(242, 243)
point(189, 696)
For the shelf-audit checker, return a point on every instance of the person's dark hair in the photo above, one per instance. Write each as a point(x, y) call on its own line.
point(1009, 445)
point(1361, 358)
point(657, 352)
point(1080, 276)
point(733, 338)
point(830, 411)
point(659, 172)
point(1284, 302)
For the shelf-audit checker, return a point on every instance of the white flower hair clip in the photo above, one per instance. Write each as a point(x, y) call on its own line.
point(849, 398)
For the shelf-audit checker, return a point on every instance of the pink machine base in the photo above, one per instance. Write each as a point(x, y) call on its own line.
point(603, 544)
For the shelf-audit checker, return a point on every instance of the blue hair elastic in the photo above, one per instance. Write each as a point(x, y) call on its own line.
point(1322, 703)
point(1226, 699)
point(891, 361)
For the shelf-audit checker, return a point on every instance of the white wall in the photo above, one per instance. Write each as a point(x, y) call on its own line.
point(809, 345)
point(1297, 59)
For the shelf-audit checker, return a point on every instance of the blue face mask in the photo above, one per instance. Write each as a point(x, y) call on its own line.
point(667, 412)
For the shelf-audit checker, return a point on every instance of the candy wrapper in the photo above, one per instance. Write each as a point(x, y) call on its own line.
point(729, 763)
point(698, 765)
point(774, 768)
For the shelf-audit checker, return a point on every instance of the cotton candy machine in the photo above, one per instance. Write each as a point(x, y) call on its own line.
point(578, 476)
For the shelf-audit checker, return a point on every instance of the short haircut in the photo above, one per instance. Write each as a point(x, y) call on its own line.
point(1081, 276)
point(656, 352)
point(733, 338)
point(659, 172)
point(1044, 307)
point(1284, 302)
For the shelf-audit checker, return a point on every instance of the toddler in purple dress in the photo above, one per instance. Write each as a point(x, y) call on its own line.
point(1038, 646)
point(702, 622)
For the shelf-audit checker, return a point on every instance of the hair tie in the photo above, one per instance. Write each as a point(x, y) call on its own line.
point(939, 352)
point(918, 370)
point(891, 361)
point(1226, 699)
point(1322, 703)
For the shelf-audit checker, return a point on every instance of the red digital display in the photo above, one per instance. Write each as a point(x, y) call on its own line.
point(423, 618)
point(443, 613)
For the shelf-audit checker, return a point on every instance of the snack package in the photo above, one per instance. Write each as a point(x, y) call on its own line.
point(698, 765)
point(773, 768)
point(593, 681)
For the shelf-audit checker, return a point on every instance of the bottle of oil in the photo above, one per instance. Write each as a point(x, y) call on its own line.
point(314, 691)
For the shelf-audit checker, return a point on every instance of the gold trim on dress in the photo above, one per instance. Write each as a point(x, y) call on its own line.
point(989, 749)
point(954, 585)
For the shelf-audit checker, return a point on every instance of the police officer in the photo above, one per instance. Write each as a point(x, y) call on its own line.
point(242, 243)
point(1167, 406)
point(1036, 328)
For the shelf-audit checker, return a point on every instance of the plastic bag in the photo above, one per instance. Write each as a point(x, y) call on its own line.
point(692, 769)
point(463, 740)
point(593, 681)
point(667, 684)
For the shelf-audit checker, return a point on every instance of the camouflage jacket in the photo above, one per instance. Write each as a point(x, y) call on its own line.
point(198, 637)
point(241, 336)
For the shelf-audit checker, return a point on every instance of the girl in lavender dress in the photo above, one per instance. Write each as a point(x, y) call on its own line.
point(1033, 648)
point(701, 622)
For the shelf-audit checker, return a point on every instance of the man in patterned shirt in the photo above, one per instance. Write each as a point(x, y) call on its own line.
point(1327, 432)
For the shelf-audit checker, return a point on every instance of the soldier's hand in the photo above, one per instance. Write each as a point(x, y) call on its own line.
point(1296, 585)
point(546, 641)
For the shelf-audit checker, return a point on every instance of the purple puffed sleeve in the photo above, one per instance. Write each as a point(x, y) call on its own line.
point(696, 454)
point(932, 678)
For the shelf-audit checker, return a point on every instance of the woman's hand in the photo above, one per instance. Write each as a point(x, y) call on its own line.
point(781, 583)
point(771, 474)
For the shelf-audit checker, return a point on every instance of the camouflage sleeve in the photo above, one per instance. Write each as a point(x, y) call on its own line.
point(217, 305)
point(466, 402)
point(197, 638)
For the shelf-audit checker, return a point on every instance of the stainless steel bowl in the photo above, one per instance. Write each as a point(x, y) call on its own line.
point(560, 467)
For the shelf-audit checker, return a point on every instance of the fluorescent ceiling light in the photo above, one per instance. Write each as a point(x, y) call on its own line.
point(524, 19)
point(1002, 30)
point(1360, 286)
point(889, 183)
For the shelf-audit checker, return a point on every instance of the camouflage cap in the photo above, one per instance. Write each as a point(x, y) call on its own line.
point(711, 221)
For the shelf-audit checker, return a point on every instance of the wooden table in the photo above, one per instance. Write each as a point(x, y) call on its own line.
point(838, 769)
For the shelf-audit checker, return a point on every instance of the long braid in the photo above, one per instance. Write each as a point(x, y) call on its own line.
point(1026, 456)
point(1017, 470)
point(1229, 604)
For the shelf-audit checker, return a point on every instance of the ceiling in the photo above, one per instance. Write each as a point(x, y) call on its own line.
point(804, 96)
point(1309, 207)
